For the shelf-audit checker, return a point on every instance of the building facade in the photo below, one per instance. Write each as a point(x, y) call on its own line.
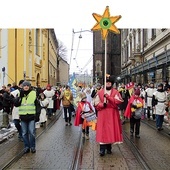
point(30, 54)
point(145, 55)
point(113, 56)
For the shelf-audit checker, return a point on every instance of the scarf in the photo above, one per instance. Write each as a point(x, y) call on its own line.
point(67, 94)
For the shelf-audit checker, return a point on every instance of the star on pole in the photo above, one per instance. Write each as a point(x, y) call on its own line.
point(105, 23)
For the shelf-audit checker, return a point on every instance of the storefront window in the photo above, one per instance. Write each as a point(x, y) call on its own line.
point(151, 76)
point(158, 76)
point(168, 73)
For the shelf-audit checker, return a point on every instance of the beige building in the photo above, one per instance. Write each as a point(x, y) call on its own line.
point(30, 54)
point(63, 72)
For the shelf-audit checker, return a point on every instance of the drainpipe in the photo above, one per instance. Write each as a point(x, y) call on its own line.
point(16, 55)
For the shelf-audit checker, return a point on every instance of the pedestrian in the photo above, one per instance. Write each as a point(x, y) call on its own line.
point(143, 96)
point(149, 95)
point(134, 111)
point(168, 105)
point(87, 91)
point(15, 111)
point(159, 105)
point(6, 102)
point(83, 107)
point(43, 101)
point(165, 84)
point(49, 93)
point(109, 128)
point(97, 87)
point(67, 100)
point(57, 99)
point(26, 102)
point(125, 96)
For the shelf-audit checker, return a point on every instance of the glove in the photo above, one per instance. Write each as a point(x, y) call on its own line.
point(106, 95)
point(104, 105)
point(134, 106)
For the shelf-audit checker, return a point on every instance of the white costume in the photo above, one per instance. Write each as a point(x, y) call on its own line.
point(15, 110)
point(43, 116)
point(49, 94)
point(161, 98)
point(149, 96)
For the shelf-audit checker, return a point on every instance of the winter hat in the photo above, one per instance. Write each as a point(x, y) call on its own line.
point(48, 85)
point(160, 85)
point(21, 82)
point(137, 92)
point(26, 83)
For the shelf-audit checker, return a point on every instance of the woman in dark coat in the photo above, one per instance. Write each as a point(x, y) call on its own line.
point(125, 96)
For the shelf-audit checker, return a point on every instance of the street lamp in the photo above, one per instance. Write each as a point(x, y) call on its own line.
point(80, 36)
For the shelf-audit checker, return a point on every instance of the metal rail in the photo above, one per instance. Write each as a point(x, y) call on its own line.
point(20, 154)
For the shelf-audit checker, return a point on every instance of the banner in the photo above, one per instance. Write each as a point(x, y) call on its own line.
point(130, 87)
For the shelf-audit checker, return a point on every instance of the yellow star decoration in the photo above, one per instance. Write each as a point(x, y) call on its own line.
point(106, 23)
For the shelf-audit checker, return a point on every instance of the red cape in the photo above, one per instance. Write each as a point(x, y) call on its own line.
point(128, 108)
point(78, 120)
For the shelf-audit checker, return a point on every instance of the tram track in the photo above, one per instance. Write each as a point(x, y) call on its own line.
point(21, 153)
point(76, 161)
point(137, 152)
point(78, 154)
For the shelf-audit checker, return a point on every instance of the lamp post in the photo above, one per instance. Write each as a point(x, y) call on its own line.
point(80, 36)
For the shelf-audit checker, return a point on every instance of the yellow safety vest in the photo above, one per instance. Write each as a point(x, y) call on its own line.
point(27, 104)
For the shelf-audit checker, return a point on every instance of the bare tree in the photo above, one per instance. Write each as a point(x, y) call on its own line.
point(62, 50)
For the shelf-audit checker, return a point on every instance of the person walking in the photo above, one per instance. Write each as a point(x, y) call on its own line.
point(149, 94)
point(26, 101)
point(125, 96)
point(159, 105)
point(49, 93)
point(43, 102)
point(84, 106)
point(97, 87)
point(67, 99)
point(134, 111)
point(109, 128)
point(6, 103)
point(15, 111)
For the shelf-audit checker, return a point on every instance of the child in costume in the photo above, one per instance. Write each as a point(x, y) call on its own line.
point(134, 112)
point(83, 107)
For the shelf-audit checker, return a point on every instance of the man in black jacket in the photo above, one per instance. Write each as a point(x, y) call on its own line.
point(6, 104)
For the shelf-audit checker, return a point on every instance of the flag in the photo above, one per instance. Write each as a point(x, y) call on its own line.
point(73, 85)
point(130, 87)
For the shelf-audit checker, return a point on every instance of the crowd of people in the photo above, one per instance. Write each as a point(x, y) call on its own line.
point(28, 105)
point(112, 107)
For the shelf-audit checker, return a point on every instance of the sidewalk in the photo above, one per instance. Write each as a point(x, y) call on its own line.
point(7, 133)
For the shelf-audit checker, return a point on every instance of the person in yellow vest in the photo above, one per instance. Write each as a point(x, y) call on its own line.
point(67, 100)
point(26, 102)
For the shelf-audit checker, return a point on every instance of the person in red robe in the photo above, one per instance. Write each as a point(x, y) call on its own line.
point(134, 106)
point(109, 128)
point(83, 107)
point(57, 100)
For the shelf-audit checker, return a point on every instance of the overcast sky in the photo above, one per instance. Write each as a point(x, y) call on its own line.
point(66, 15)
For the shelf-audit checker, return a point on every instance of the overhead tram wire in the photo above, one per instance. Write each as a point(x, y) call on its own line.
point(73, 45)
point(87, 62)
